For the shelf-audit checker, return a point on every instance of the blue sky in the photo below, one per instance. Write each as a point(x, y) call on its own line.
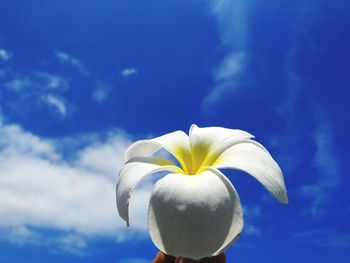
point(80, 80)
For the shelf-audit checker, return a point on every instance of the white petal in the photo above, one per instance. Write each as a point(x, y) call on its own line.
point(209, 142)
point(176, 143)
point(131, 174)
point(254, 160)
point(238, 223)
point(219, 139)
point(194, 216)
point(215, 134)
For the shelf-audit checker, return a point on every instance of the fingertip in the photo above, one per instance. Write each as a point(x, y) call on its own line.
point(163, 258)
point(221, 258)
point(217, 259)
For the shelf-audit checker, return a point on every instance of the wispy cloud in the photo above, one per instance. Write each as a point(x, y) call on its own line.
point(67, 59)
point(5, 55)
point(64, 242)
point(18, 84)
point(52, 81)
point(325, 237)
point(128, 72)
point(324, 159)
point(252, 211)
point(100, 93)
point(250, 214)
point(36, 90)
point(42, 81)
point(227, 78)
point(252, 230)
point(42, 188)
point(19, 235)
point(56, 103)
point(72, 243)
point(231, 19)
point(326, 164)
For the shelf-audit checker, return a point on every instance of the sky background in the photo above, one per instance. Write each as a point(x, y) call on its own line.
point(80, 80)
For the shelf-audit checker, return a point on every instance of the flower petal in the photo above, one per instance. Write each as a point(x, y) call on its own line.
point(238, 223)
point(176, 143)
point(215, 134)
point(208, 143)
point(253, 159)
point(194, 216)
point(131, 174)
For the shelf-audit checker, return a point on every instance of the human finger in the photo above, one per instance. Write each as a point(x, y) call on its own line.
point(217, 259)
point(163, 258)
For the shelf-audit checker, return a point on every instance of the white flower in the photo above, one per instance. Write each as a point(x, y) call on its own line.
point(195, 211)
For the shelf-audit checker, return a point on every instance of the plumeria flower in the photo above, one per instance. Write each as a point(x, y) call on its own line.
point(194, 210)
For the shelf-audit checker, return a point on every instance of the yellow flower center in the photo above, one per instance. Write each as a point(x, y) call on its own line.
point(194, 161)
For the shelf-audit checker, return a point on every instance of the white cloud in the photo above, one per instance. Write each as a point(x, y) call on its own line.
point(5, 55)
point(100, 94)
point(59, 242)
point(252, 211)
point(231, 17)
point(19, 235)
point(98, 156)
point(326, 164)
point(72, 243)
point(229, 67)
point(58, 104)
point(14, 141)
point(324, 237)
point(252, 230)
point(226, 78)
point(42, 188)
point(36, 90)
point(63, 57)
point(37, 82)
point(18, 84)
point(232, 27)
point(51, 81)
point(290, 157)
point(128, 72)
point(67, 59)
point(324, 159)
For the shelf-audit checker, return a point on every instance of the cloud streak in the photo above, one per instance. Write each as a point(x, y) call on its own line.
point(100, 94)
point(323, 165)
point(326, 164)
point(227, 78)
point(5, 55)
point(66, 59)
point(325, 238)
point(57, 104)
point(128, 72)
point(35, 91)
point(42, 81)
point(231, 19)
